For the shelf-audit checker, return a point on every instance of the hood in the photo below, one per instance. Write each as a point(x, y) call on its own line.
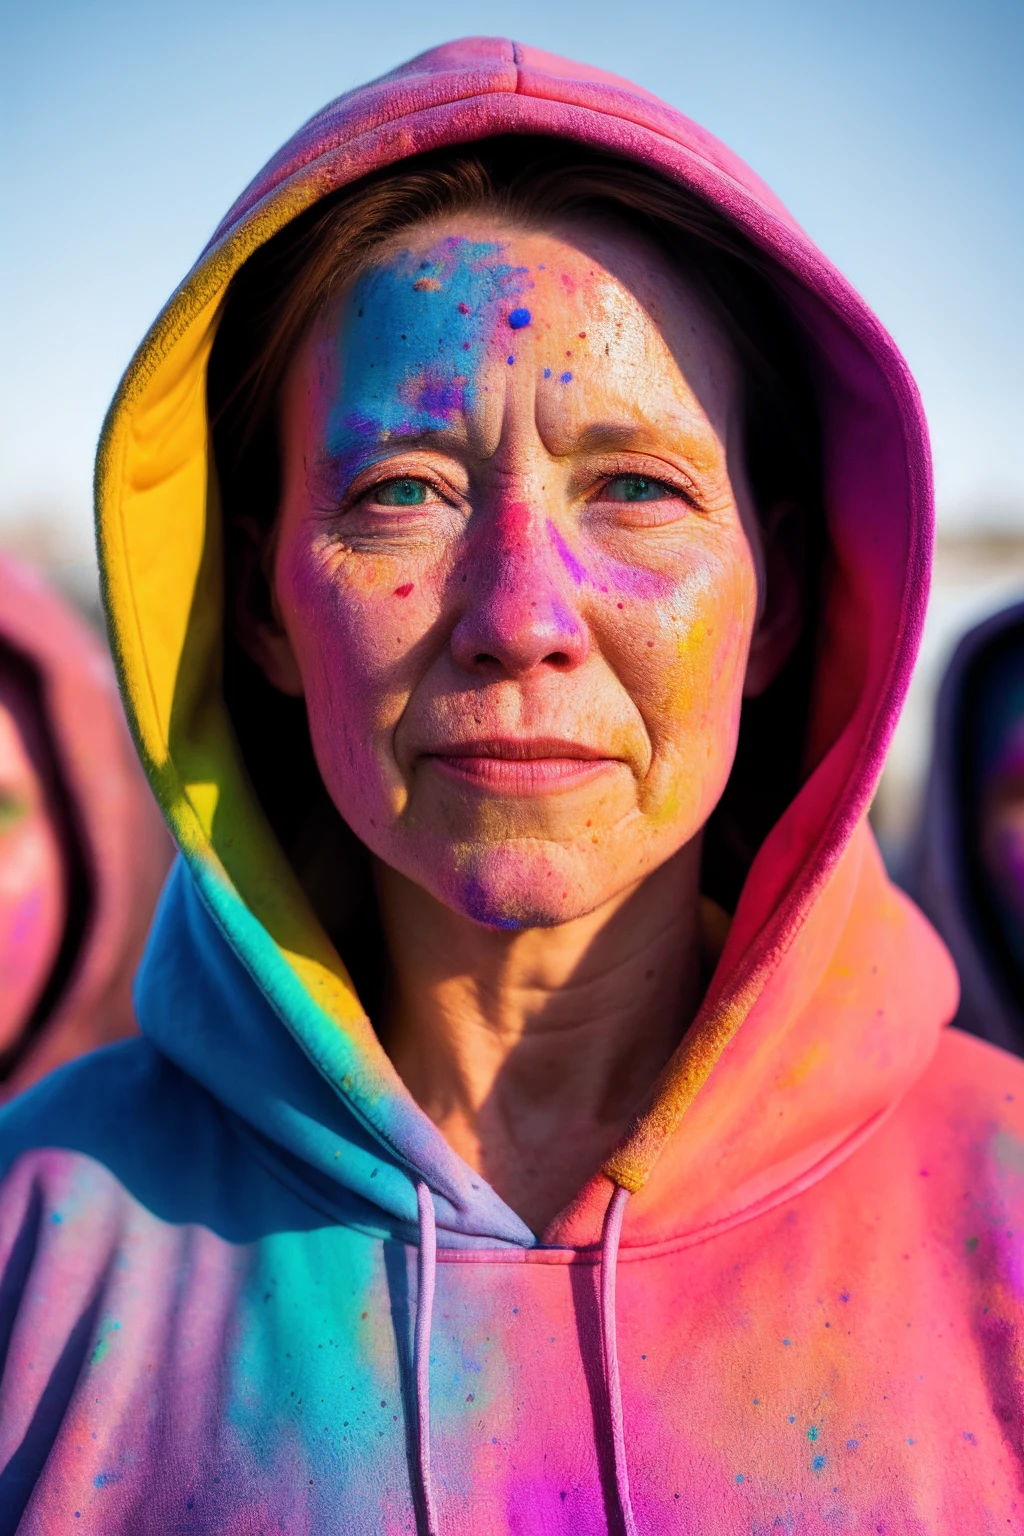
point(829, 994)
point(122, 851)
point(939, 871)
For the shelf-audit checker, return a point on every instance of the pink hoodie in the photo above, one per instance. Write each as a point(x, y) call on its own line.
point(791, 1301)
point(122, 849)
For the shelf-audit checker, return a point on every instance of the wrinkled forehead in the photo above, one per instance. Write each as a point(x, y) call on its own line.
point(444, 321)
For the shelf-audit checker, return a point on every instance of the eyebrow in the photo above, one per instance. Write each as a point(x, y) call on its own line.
point(609, 435)
point(639, 437)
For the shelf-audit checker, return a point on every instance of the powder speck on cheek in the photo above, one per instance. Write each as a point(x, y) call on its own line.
point(404, 591)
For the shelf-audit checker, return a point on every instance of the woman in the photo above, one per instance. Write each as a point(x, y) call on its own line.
point(516, 541)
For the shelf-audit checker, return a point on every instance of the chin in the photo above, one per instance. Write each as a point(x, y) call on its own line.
point(513, 887)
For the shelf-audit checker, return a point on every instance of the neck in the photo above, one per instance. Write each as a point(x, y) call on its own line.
point(531, 1051)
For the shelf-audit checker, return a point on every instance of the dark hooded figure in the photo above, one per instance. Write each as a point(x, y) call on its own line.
point(966, 865)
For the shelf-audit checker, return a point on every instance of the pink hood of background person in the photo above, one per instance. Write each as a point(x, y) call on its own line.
point(111, 874)
point(814, 1322)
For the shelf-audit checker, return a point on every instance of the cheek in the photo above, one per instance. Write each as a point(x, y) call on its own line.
point(357, 624)
point(689, 651)
point(31, 917)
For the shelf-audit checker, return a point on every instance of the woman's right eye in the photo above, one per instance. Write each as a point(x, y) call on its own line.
point(404, 492)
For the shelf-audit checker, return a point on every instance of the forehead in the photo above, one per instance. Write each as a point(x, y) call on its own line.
point(450, 317)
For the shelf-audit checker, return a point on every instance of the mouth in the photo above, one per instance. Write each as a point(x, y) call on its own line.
point(515, 766)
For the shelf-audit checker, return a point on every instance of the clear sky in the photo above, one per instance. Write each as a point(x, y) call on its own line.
point(894, 129)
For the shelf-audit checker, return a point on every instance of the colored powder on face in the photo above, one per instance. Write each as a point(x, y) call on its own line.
point(511, 358)
point(518, 318)
point(480, 907)
point(405, 590)
point(565, 554)
point(566, 378)
point(412, 344)
point(547, 373)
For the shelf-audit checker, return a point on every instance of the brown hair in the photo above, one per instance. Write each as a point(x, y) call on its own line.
point(532, 182)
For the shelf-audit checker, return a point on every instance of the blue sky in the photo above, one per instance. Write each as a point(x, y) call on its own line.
point(894, 129)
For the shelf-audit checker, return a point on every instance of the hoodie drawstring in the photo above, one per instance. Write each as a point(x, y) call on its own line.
point(610, 1352)
point(421, 1348)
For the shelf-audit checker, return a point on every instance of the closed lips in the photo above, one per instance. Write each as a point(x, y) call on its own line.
point(522, 767)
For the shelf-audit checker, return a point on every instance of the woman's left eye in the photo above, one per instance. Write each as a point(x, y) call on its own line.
point(633, 488)
point(405, 492)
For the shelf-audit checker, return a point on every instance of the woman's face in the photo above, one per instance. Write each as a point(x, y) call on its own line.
point(32, 902)
point(516, 564)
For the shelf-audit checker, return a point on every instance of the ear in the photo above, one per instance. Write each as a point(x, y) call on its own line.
point(782, 614)
point(255, 614)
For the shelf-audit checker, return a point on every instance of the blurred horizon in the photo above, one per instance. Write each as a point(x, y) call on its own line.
point(893, 132)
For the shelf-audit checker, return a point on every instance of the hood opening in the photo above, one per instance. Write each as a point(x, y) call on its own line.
point(782, 451)
point(77, 875)
point(981, 686)
point(333, 867)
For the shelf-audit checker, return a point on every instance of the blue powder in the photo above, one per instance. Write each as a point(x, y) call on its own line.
point(518, 318)
point(566, 378)
point(409, 357)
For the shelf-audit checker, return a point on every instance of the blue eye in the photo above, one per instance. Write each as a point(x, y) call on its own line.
point(636, 488)
point(402, 493)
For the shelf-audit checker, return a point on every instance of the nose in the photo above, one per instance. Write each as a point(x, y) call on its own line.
point(521, 599)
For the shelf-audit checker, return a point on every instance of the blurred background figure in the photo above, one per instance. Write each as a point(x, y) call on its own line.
point(83, 851)
point(966, 866)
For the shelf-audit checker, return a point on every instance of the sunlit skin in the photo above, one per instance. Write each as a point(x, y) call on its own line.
point(518, 577)
point(32, 899)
